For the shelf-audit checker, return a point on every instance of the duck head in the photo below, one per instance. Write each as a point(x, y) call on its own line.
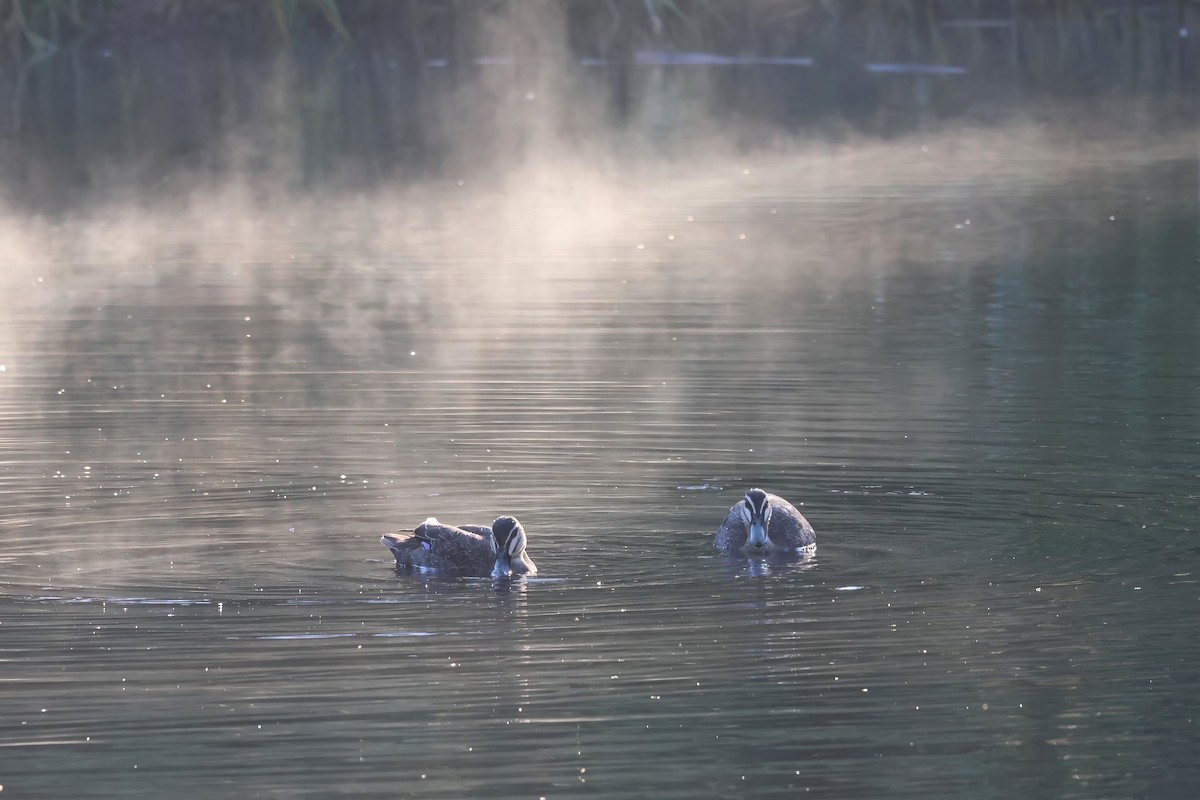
point(510, 544)
point(756, 511)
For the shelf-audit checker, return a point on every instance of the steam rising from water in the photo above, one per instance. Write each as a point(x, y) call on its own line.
point(629, 211)
point(534, 177)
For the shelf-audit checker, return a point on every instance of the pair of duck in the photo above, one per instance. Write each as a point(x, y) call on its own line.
point(759, 523)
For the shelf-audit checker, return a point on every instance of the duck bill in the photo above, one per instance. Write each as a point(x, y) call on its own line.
point(503, 568)
point(758, 535)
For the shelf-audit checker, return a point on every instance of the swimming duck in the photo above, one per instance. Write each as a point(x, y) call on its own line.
point(498, 551)
point(765, 523)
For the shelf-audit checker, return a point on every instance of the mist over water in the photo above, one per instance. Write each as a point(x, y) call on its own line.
point(966, 353)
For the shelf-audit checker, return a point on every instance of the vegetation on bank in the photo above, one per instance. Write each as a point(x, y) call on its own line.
point(1040, 35)
point(360, 90)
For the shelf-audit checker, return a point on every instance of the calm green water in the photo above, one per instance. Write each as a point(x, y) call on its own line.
point(994, 427)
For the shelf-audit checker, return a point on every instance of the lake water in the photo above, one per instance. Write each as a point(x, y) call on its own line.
point(974, 369)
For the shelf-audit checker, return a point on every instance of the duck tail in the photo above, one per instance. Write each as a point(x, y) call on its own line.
point(399, 543)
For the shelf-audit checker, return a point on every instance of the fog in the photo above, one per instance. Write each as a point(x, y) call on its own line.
point(530, 159)
point(538, 196)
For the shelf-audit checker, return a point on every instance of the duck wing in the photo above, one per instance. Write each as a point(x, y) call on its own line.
point(788, 528)
point(469, 550)
point(732, 533)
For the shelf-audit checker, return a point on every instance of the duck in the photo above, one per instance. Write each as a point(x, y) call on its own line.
point(475, 550)
point(765, 523)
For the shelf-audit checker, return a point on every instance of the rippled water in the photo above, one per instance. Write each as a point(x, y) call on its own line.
point(993, 425)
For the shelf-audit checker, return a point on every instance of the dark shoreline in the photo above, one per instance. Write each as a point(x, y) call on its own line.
point(126, 91)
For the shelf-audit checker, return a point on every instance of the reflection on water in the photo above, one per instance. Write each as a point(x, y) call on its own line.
point(991, 424)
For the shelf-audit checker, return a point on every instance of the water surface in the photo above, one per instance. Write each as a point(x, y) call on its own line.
point(980, 384)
